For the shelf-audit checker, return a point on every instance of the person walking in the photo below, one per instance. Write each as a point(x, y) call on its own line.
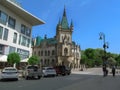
point(105, 71)
point(113, 70)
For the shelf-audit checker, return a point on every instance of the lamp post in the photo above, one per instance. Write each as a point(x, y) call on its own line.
point(105, 46)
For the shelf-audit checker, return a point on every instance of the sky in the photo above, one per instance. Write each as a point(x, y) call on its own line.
point(90, 17)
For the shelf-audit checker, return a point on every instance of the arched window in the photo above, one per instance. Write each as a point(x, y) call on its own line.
point(48, 53)
point(45, 53)
point(65, 51)
point(53, 52)
point(38, 53)
point(41, 53)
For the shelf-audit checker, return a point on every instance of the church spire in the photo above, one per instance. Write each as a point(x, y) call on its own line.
point(64, 21)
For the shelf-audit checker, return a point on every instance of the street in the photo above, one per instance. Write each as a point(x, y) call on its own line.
point(75, 81)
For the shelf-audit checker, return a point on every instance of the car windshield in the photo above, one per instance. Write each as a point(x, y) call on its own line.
point(9, 70)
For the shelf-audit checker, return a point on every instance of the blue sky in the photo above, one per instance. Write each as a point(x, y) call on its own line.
point(90, 17)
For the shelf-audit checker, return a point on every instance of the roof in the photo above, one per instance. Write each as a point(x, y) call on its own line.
point(28, 17)
point(49, 41)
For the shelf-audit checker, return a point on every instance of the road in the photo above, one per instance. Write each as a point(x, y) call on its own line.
point(76, 81)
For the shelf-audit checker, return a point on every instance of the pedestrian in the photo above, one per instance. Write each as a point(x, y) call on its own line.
point(104, 71)
point(113, 70)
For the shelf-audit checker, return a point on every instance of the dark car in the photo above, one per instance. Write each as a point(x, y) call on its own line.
point(62, 70)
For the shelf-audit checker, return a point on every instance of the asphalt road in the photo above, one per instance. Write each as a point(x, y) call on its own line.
point(72, 82)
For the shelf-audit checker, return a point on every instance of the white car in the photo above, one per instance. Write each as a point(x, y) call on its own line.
point(9, 73)
point(48, 71)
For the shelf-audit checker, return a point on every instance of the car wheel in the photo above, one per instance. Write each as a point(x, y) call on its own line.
point(39, 77)
point(27, 78)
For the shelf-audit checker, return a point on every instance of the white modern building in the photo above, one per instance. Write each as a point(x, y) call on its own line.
point(15, 29)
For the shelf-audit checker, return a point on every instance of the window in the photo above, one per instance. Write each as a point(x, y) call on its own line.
point(5, 37)
point(38, 53)
point(23, 41)
point(53, 52)
point(15, 38)
point(11, 22)
point(1, 32)
point(28, 42)
point(48, 53)
point(23, 29)
point(41, 53)
point(19, 39)
point(1, 49)
point(3, 17)
point(28, 32)
point(11, 49)
point(65, 51)
point(45, 53)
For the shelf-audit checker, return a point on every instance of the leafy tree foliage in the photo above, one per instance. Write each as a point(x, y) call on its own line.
point(13, 58)
point(33, 60)
point(94, 57)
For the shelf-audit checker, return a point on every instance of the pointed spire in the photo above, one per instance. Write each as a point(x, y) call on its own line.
point(64, 14)
point(64, 21)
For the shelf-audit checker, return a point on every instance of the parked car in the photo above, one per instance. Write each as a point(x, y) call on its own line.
point(62, 70)
point(9, 73)
point(32, 71)
point(48, 71)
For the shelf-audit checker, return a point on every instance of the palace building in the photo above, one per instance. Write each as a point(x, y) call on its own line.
point(15, 30)
point(59, 50)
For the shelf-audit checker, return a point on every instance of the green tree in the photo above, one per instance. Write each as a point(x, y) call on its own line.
point(118, 60)
point(111, 61)
point(33, 60)
point(13, 58)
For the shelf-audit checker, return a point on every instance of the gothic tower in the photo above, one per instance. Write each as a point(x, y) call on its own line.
point(64, 39)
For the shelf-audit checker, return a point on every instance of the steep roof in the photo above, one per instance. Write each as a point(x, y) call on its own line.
point(64, 21)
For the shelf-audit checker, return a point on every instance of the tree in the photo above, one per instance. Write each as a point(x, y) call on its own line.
point(33, 60)
point(111, 61)
point(13, 58)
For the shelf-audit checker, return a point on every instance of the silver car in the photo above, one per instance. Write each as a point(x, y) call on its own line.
point(48, 71)
point(32, 71)
point(10, 73)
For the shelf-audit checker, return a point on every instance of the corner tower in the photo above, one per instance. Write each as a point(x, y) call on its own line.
point(64, 39)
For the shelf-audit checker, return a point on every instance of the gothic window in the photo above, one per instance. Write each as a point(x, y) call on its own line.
point(41, 53)
point(45, 53)
point(65, 51)
point(53, 52)
point(48, 53)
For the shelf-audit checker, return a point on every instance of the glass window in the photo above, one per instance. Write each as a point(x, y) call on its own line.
point(19, 39)
point(12, 49)
point(23, 29)
point(3, 17)
point(45, 53)
point(53, 52)
point(28, 42)
point(1, 32)
point(5, 37)
point(1, 49)
point(41, 53)
point(48, 53)
point(65, 51)
point(28, 32)
point(15, 38)
point(23, 41)
point(11, 22)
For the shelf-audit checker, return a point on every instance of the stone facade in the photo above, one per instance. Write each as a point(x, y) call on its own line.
point(60, 49)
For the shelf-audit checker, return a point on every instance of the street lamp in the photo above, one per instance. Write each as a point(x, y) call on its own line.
point(105, 46)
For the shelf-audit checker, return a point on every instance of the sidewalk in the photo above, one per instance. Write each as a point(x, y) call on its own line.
point(94, 71)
